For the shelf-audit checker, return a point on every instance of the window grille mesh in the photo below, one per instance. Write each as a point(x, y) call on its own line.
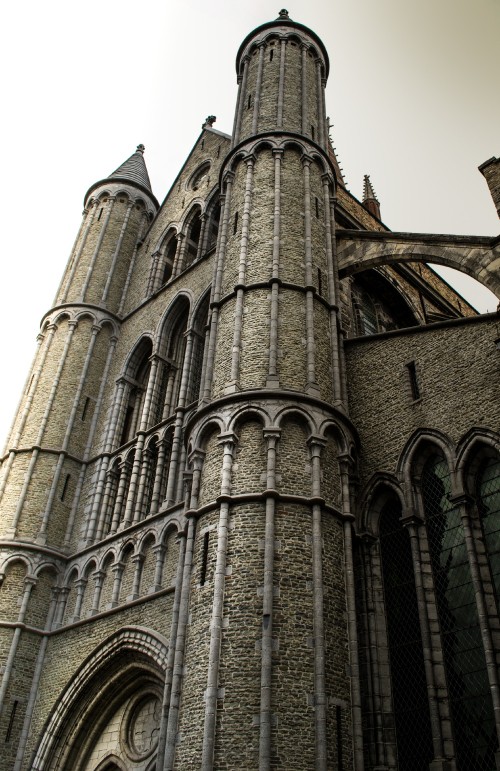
point(409, 691)
point(465, 667)
point(489, 507)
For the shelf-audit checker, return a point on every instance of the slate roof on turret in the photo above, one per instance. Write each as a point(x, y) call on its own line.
point(133, 171)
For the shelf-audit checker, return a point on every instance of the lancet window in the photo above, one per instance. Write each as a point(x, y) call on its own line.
point(434, 625)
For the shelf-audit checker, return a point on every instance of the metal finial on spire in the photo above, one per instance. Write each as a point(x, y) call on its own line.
point(283, 14)
point(140, 149)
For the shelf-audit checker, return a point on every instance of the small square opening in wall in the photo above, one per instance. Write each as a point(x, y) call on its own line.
point(413, 380)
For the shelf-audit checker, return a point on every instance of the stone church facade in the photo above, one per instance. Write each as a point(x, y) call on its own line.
point(250, 502)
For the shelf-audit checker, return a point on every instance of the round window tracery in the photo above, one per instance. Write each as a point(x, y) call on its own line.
point(141, 726)
point(199, 176)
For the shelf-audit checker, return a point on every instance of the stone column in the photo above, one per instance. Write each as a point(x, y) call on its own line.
point(29, 583)
point(93, 259)
point(258, 88)
point(240, 288)
point(117, 570)
point(38, 369)
point(62, 298)
point(80, 592)
point(217, 284)
point(357, 726)
point(116, 253)
point(76, 498)
point(228, 441)
point(98, 577)
point(311, 385)
point(413, 523)
point(316, 445)
point(281, 85)
point(39, 440)
point(272, 377)
point(242, 82)
point(142, 229)
point(306, 129)
point(271, 436)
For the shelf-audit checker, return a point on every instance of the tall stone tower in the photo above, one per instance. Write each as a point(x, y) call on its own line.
point(248, 518)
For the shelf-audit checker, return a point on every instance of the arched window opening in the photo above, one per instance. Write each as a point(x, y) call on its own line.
point(172, 347)
point(213, 227)
point(169, 258)
point(408, 682)
point(463, 654)
point(198, 350)
point(488, 497)
point(377, 306)
point(193, 238)
point(137, 393)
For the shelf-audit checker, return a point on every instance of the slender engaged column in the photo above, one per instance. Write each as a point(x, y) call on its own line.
point(412, 524)
point(271, 436)
point(320, 699)
point(348, 518)
point(116, 253)
point(272, 377)
point(29, 583)
point(93, 260)
point(228, 441)
point(311, 385)
point(240, 289)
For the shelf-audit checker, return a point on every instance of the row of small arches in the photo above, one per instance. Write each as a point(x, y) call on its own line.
point(121, 574)
point(185, 242)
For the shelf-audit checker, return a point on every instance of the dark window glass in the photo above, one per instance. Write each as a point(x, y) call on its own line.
point(488, 492)
point(465, 666)
point(409, 689)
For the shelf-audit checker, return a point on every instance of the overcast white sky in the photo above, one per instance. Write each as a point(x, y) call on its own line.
point(412, 94)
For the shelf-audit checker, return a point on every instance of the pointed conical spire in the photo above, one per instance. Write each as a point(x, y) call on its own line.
point(370, 200)
point(368, 191)
point(134, 169)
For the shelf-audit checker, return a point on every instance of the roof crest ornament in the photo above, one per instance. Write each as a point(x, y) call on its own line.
point(283, 14)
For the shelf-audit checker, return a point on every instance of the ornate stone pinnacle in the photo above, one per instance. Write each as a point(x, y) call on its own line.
point(283, 14)
point(140, 148)
point(209, 121)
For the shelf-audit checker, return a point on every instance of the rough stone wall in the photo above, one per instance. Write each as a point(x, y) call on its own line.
point(357, 210)
point(293, 628)
point(238, 736)
point(292, 112)
point(192, 708)
point(452, 362)
point(255, 346)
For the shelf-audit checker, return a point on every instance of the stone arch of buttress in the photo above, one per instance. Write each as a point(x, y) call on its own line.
point(478, 257)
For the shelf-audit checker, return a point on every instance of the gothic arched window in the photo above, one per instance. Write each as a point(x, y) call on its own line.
point(408, 682)
point(193, 234)
point(463, 654)
point(488, 497)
